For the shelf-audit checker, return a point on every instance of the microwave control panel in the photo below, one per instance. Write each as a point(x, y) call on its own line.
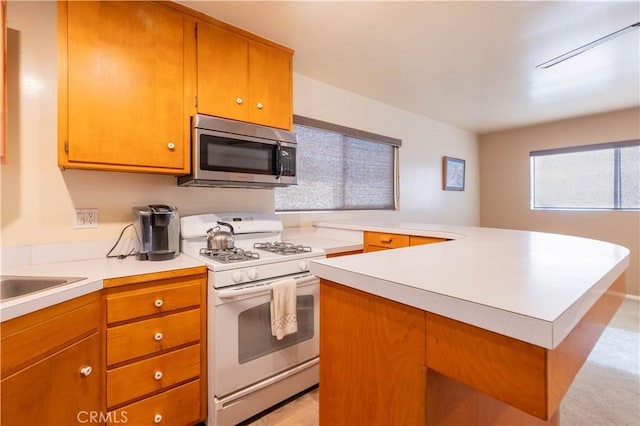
point(288, 161)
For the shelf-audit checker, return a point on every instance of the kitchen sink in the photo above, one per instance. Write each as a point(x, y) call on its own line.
point(14, 286)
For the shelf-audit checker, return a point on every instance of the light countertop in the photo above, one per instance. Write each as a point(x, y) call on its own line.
point(95, 271)
point(531, 286)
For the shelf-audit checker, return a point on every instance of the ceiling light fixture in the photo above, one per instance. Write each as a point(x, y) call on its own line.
point(587, 46)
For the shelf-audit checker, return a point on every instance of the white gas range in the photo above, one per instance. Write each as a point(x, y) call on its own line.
point(249, 370)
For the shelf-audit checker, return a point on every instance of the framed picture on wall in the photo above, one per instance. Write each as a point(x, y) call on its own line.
point(452, 174)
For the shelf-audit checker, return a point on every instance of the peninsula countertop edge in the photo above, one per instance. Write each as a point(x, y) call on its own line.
point(531, 286)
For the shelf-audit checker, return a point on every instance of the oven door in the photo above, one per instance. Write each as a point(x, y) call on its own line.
point(243, 350)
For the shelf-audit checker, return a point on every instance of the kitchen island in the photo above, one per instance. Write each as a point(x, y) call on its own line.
point(489, 327)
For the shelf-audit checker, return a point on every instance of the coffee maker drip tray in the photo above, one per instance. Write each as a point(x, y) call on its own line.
point(160, 255)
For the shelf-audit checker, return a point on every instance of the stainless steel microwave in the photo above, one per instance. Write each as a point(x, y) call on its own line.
point(229, 153)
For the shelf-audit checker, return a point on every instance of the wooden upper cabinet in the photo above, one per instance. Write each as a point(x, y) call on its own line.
point(243, 79)
point(270, 86)
point(223, 67)
point(122, 87)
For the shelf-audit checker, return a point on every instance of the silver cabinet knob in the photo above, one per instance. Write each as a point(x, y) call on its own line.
point(259, 105)
point(239, 101)
point(171, 145)
point(157, 418)
point(158, 375)
point(158, 337)
point(158, 303)
point(85, 371)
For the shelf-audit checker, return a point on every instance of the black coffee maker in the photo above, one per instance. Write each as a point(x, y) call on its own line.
point(158, 228)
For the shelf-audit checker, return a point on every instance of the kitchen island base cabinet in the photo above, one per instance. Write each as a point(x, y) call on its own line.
point(372, 370)
point(388, 363)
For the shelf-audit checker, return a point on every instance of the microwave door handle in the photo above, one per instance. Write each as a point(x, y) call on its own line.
point(278, 160)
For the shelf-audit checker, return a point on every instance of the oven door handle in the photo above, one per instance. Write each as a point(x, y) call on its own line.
point(261, 288)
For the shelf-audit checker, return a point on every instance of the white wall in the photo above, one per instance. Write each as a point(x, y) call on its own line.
point(424, 142)
point(38, 199)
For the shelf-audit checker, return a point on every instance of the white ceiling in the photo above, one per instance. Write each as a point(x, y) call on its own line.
point(469, 64)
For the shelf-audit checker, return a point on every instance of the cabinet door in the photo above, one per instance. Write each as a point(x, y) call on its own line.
point(222, 72)
point(54, 391)
point(125, 77)
point(270, 93)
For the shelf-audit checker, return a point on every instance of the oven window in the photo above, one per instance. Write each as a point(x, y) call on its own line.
point(232, 155)
point(254, 330)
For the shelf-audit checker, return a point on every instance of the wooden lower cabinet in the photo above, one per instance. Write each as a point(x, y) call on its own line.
point(52, 365)
point(372, 370)
point(376, 241)
point(55, 391)
point(156, 349)
point(385, 363)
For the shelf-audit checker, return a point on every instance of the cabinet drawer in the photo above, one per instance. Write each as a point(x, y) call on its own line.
point(178, 406)
point(146, 337)
point(152, 299)
point(33, 336)
point(386, 240)
point(152, 375)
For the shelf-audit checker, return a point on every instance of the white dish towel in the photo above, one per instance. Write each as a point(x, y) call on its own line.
point(284, 319)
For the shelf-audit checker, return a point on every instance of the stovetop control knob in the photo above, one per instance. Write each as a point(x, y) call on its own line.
point(236, 276)
point(303, 265)
point(252, 273)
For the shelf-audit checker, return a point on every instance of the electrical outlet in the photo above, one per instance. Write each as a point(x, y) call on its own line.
point(85, 218)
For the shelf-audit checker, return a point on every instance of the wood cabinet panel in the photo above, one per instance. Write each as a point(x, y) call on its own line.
point(223, 68)
point(344, 253)
point(31, 337)
point(156, 278)
point(152, 375)
point(270, 86)
point(3, 82)
point(374, 348)
point(415, 240)
point(130, 341)
point(507, 369)
point(150, 300)
point(177, 406)
point(122, 81)
point(53, 391)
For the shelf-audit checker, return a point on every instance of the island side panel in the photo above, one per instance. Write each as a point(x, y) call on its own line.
point(565, 361)
point(372, 369)
point(507, 369)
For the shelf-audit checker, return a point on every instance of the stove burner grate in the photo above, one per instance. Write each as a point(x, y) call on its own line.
point(229, 256)
point(280, 247)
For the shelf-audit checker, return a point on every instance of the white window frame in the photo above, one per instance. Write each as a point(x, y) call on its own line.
point(616, 146)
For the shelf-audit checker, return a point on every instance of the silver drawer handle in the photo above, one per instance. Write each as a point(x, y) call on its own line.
point(239, 101)
point(158, 303)
point(85, 371)
point(158, 337)
point(157, 418)
point(259, 105)
point(158, 375)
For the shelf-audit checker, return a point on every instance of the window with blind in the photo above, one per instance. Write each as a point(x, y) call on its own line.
point(340, 168)
point(594, 177)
